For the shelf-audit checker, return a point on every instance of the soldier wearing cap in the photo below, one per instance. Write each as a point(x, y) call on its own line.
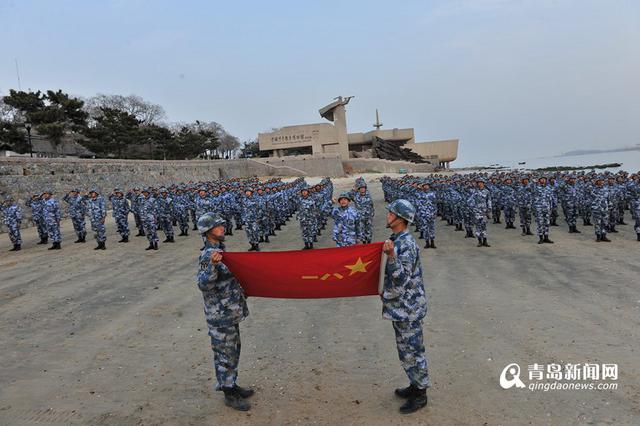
point(12, 217)
point(52, 215)
point(225, 307)
point(77, 212)
point(164, 212)
point(345, 218)
point(120, 212)
point(97, 211)
point(404, 302)
point(148, 218)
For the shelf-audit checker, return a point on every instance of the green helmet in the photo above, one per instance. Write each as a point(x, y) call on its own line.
point(402, 208)
point(209, 221)
point(345, 195)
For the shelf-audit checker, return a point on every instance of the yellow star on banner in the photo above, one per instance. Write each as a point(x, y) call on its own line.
point(359, 266)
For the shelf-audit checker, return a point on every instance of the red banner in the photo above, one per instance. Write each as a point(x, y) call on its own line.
point(309, 274)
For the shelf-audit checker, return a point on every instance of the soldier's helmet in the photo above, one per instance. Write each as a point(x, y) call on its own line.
point(209, 221)
point(94, 189)
point(345, 195)
point(403, 208)
point(163, 189)
point(118, 190)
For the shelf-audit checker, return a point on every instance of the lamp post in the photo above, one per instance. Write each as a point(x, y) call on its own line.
point(27, 125)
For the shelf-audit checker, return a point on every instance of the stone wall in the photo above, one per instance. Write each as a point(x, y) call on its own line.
point(20, 177)
point(363, 165)
point(313, 165)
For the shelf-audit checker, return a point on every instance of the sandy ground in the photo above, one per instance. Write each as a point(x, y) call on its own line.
point(118, 336)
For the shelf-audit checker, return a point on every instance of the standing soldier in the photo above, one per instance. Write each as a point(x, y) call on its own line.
point(542, 204)
point(77, 212)
point(224, 308)
point(181, 211)
point(404, 302)
point(508, 202)
point(36, 204)
point(364, 207)
point(344, 226)
point(250, 219)
point(97, 211)
point(307, 212)
point(600, 210)
point(525, 198)
point(52, 215)
point(12, 217)
point(148, 218)
point(427, 215)
point(570, 200)
point(120, 213)
point(480, 204)
point(164, 212)
point(134, 198)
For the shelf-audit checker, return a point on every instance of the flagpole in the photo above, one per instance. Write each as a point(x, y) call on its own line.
point(383, 269)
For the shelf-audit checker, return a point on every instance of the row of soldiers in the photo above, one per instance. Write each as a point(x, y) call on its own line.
point(467, 201)
point(261, 207)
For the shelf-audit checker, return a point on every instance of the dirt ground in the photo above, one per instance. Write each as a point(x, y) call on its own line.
point(118, 337)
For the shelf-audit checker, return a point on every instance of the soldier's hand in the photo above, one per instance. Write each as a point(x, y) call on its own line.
point(387, 248)
point(216, 257)
point(333, 200)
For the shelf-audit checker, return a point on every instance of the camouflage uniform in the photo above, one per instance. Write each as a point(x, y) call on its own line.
point(307, 212)
point(36, 204)
point(77, 212)
point(344, 227)
point(148, 217)
point(12, 217)
point(164, 214)
point(52, 215)
point(404, 302)
point(364, 207)
point(97, 211)
point(542, 204)
point(600, 211)
point(120, 213)
point(224, 307)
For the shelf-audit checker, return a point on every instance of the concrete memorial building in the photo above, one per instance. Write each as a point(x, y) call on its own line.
point(328, 138)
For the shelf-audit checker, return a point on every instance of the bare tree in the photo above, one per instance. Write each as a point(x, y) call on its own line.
point(228, 145)
point(146, 112)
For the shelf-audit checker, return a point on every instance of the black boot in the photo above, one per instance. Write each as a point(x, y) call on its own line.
point(230, 231)
point(524, 231)
point(469, 234)
point(529, 231)
point(43, 241)
point(244, 392)
point(405, 392)
point(172, 239)
point(233, 399)
point(278, 228)
point(480, 244)
point(238, 227)
point(55, 246)
point(261, 239)
point(315, 239)
point(427, 245)
point(16, 247)
point(604, 238)
point(638, 236)
point(433, 243)
point(484, 242)
point(613, 230)
point(306, 246)
point(598, 238)
point(311, 246)
point(541, 240)
point(266, 239)
point(84, 238)
point(575, 230)
point(150, 246)
point(547, 240)
point(257, 247)
point(417, 400)
point(195, 227)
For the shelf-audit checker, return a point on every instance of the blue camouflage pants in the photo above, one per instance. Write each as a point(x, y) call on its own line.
point(481, 225)
point(122, 222)
point(150, 229)
point(79, 225)
point(53, 230)
point(525, 217)
point(307, 228)
point(41, 225)
point(411, 351)
point(14, 233)
point(600, 222)
point(166, 225)
point(635, 212)
point(100, 230)
point(542, 222)
point(225, 343)
point(253, 231)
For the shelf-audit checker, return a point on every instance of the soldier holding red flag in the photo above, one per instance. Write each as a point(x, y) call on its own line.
point(224, 307)
point(404, 303)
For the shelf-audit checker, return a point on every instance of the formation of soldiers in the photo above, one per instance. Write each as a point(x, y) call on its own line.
point(464, 201)
point(468, 201)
